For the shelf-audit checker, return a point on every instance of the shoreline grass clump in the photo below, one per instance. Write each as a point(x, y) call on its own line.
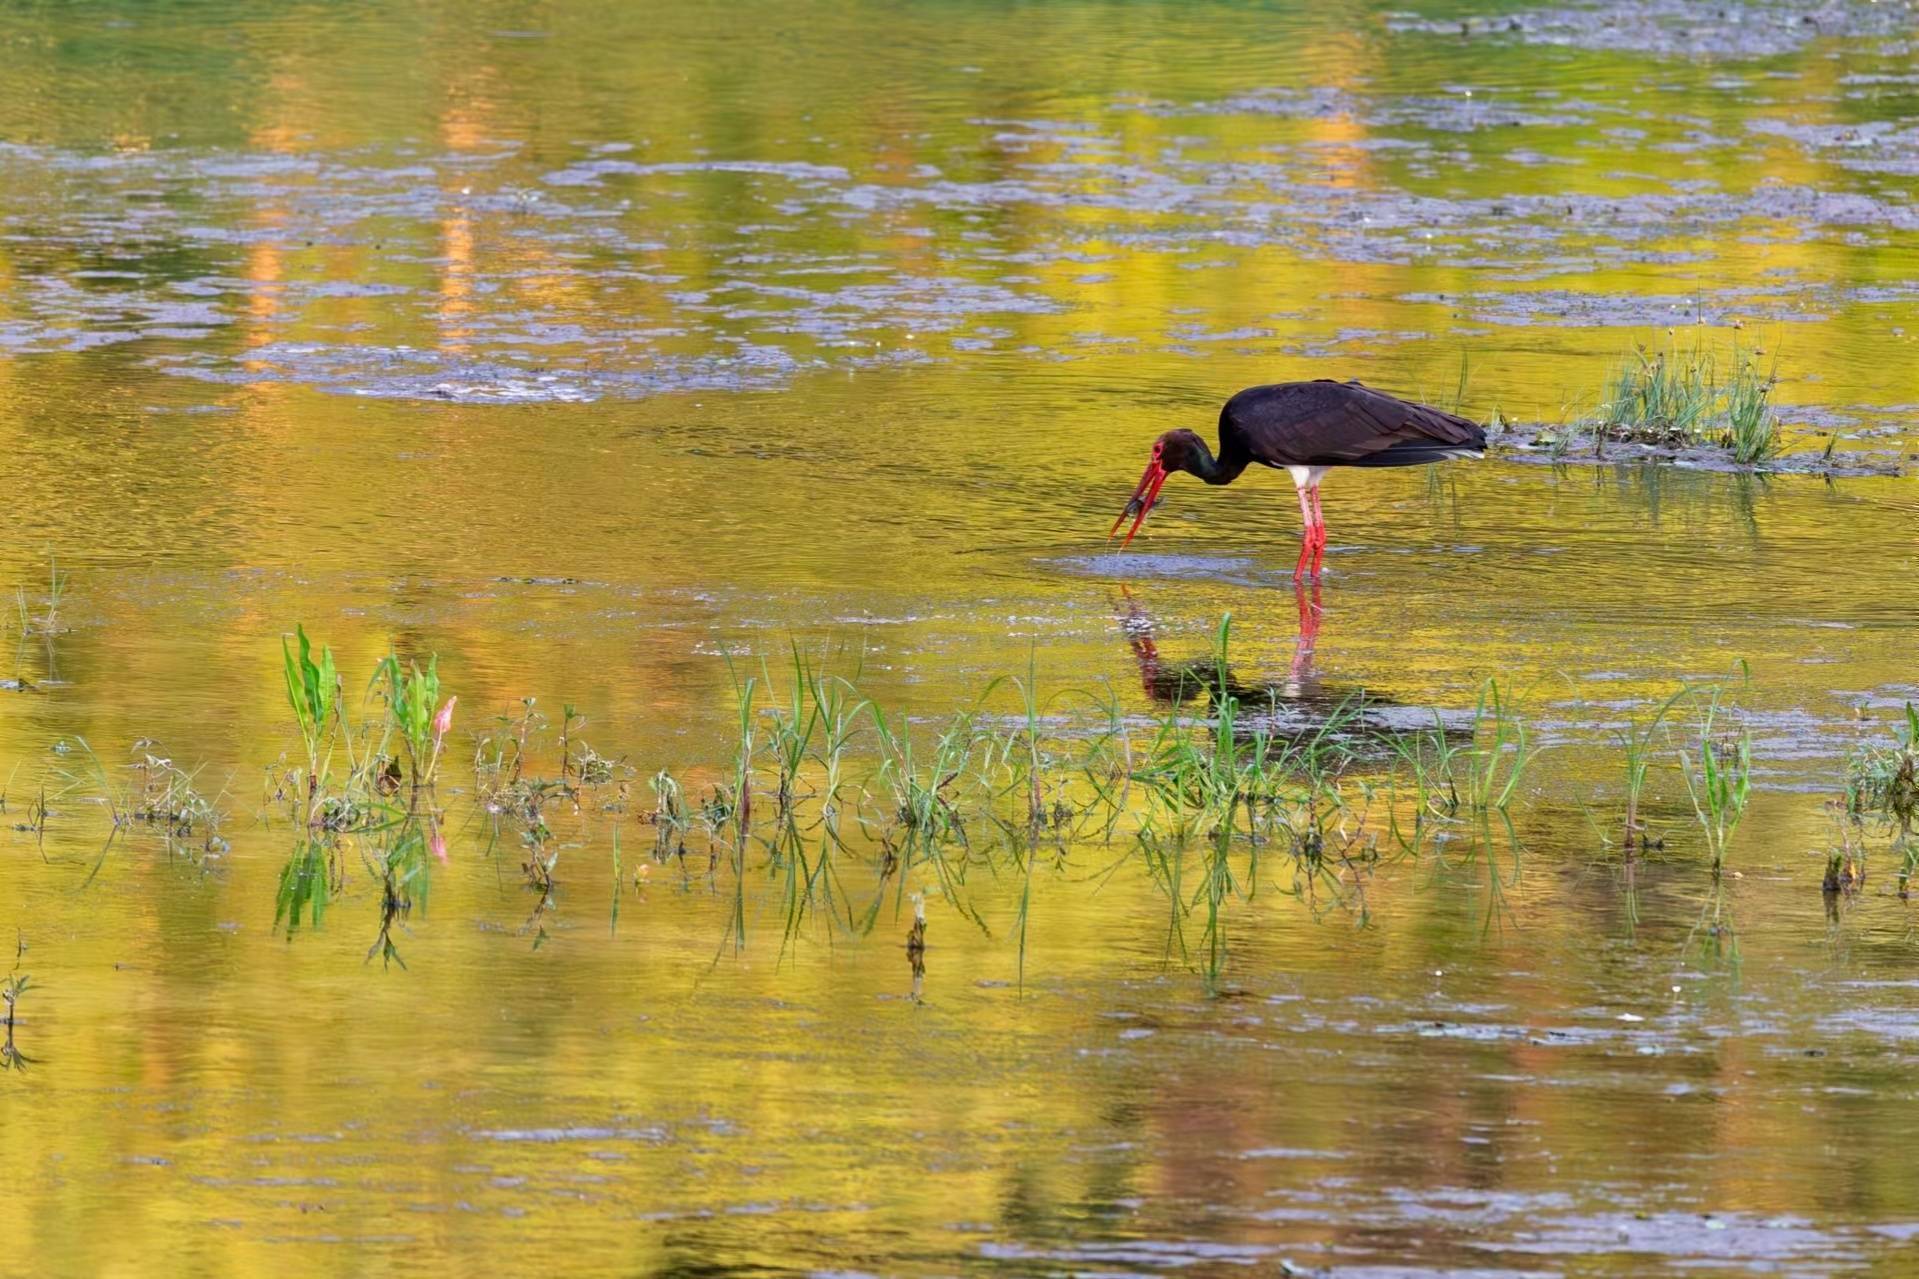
point(1681, 398)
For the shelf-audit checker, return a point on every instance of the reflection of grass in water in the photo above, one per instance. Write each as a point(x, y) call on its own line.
point(12, 987)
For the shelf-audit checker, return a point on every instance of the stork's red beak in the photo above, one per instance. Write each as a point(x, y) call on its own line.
point(1143, 499)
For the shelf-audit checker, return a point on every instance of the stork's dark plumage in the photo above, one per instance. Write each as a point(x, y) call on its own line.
point(1306, 428)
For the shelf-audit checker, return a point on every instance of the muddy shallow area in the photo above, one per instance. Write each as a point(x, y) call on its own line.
point(621, 357)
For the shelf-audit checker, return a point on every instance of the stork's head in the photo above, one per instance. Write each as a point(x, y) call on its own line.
point(1171, 452)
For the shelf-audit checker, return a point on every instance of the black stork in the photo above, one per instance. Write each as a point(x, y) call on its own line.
point(1306, 428)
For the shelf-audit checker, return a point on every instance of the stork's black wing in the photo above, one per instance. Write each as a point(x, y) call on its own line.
point(1327, 423)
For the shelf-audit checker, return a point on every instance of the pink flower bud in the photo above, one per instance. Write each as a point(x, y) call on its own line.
point(444, 720)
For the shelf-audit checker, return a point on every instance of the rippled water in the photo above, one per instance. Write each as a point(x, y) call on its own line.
point(587, 345)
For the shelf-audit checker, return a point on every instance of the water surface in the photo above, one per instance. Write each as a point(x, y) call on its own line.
point(587, 345)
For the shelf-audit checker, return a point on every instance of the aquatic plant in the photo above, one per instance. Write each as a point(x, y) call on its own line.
point(1214, 796)
point(385, 813)
point(166, 796)
point(14, 985)
point(1751, 427)
point(1636, 740)
point(1675, 397)
point(1882, 788)
point(1718, 774)
point(313, 690)
point(36, 822)
point(669, 818)
point(411, 696)
point(522, 800)
point(47, 622)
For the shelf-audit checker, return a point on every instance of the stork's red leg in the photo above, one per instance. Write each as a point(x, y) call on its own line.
point(1319, 533)
point(1305, 536)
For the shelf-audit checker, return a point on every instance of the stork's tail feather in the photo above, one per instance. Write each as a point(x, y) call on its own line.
point(1418, 452)
point(1449, 428)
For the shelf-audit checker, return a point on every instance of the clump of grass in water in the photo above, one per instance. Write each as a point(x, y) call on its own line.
point(36, 822)
point(47, 622)
point(166, 797)
point(1471, 774)
point(394, 833)
point(1882, 787)
point(1716, 769)
point(1637, 740)
point(1661, 396)
point(1846, 862)
point(514, 796)
point(313, 691)
point(1718, 775)
point(161, 796)
point(1674, 397)
point(1198, 777)
point(1751, 427)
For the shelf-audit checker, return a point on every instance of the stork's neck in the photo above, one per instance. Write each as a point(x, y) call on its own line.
point(1223, 469)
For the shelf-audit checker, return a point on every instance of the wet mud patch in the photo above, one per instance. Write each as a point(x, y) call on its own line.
point(1581, 446)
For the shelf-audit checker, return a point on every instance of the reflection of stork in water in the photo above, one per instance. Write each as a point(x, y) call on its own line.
point(1179, 681)
point(1298, 706)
